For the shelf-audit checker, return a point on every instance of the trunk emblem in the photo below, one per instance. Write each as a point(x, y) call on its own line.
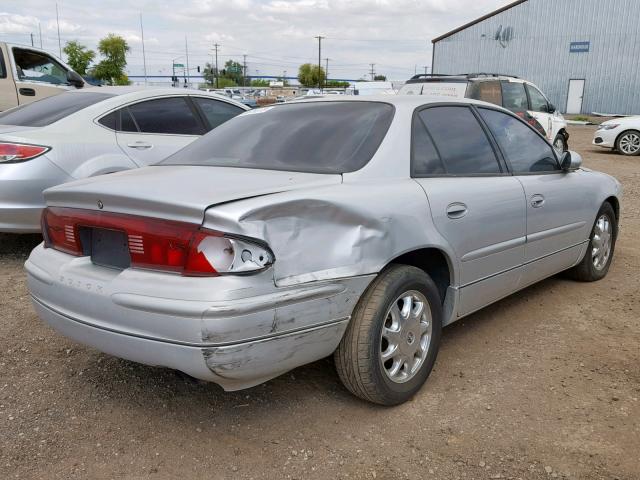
point(100, 204)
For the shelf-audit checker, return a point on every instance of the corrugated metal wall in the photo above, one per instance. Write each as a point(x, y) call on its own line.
point(539, 50)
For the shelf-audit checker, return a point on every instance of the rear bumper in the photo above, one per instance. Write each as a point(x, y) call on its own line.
point(21, 199)
point(234, 331)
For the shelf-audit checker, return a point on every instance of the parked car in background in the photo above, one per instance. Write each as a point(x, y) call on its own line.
point(92, 131)
point(28, 74)
point(349, 226)
point(513, 93)
point(620, 134)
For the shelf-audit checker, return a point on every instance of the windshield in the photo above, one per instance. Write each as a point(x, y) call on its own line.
point(322, 137)
point(51, 109)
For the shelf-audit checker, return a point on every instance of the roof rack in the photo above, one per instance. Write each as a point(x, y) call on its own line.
point(429, 75)
point(484, 74)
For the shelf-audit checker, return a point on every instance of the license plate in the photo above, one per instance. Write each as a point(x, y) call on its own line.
point(110, 248)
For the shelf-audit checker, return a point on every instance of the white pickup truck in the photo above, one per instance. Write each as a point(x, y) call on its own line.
point(28, 74)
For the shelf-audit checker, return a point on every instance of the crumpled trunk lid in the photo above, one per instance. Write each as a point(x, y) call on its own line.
point(178, 192)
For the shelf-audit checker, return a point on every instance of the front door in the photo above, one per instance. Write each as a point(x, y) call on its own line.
point(152, 130)
point(574, 97)
point(557, 222)
point(475, 204)
point(38, 75)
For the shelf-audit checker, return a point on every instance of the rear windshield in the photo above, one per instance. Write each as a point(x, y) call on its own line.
point(435, 89)
point(321, 137)
point(51, 109)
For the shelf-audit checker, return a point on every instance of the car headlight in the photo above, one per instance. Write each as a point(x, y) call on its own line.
point(608, 126)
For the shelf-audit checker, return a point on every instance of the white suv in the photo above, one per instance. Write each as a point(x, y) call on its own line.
point(520, 96)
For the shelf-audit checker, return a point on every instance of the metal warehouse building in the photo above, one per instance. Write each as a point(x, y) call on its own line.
point(584, 54)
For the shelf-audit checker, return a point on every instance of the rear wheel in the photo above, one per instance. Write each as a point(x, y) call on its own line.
point(392, 340)
point(595, 264)
point(560, 143)
point(628, 143)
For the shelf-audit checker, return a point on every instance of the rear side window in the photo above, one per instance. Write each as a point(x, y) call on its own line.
point(110, 121)
point(3, 68)
point(314, 137)
point(488, 91)
point(165, 115)
point(460, 141)
point(51, 109)
point(538, 101)
point(215, 111)
point(514, 97)
point(525, 149)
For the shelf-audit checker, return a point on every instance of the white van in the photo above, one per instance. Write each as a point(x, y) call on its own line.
point(28, 74)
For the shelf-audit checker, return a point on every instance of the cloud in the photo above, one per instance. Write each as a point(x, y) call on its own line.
point(13, 23)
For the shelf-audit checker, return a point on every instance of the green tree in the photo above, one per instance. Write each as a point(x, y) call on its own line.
point(78, 57)
point(209, 74)
point(380, 78)
point(233, 71)
point(259, 82)
point(336, 84)
point(111, 68)
point(310, 75)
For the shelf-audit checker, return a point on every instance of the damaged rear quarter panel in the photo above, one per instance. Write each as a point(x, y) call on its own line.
point(334, 231)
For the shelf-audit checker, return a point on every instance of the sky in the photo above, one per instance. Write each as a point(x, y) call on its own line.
point(276, 35)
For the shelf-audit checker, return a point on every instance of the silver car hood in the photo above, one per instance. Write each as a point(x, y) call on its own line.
point(178, 192)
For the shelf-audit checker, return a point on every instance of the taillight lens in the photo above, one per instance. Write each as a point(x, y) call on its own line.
point(20, 152)
point(158, 244)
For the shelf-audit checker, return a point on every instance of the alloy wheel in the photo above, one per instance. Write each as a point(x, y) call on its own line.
point(629, 143)
point(601, 243)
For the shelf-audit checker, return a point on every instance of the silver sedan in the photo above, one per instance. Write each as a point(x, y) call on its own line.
point(93, 131)
point(345, 226)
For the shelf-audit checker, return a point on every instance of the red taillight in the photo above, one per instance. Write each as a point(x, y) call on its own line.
point(19, 152)
point(153, 243)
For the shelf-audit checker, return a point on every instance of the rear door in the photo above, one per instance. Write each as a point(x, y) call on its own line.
point(476, 205)
point(151, 130)
point(557, 222)
point(8, 92)
point(539, 109)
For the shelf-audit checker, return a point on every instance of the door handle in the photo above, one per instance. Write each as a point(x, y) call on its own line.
point(27, 92)
point(139, 145)
point(456, 210)
point(537, 201)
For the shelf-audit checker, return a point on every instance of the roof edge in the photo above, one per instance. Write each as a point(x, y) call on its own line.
point(478, 20)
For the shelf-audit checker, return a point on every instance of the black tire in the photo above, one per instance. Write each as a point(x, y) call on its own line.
point(626, 151)
point(586, 270)
point(561, 141)
point(358, 359)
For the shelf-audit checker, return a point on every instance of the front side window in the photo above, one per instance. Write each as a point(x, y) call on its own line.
point(460, 141)
point(487, 91)
point(525, 149)
point(171, 115)
point(538, 101)
point(313, 137)
point(38, 67)
point(514, 97)
point(51, 109)
point(215, 111)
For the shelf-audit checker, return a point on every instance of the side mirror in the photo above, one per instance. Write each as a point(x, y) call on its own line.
point(570, 161)
point(74, 79)
point(551, 108)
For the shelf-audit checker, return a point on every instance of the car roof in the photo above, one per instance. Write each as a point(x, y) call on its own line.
point(405, 101)
point(463, 77)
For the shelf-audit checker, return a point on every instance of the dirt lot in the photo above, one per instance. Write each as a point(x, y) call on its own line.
point(544, 384)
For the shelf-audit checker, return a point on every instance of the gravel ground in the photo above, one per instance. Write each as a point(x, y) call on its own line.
point(544, 384)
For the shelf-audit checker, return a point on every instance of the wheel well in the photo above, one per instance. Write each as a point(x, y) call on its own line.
point(434, 262)
point(623, 132)
point(616, 206)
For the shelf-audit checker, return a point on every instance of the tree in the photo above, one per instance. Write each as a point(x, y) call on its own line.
point(111, 69)
point(233, 71)
point(209, 74)
point(380, 78)
point(308, 75)
point(259, 82)
point(336, 84)
point(78, 57)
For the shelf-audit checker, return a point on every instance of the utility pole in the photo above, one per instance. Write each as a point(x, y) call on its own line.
point(244, 69)
point(144, 57)
point(373, 72)
point(59, 42)
point(40, 30)
point(186, 51)
point(32, 40)
point(319, 37)
point(326, 70)
point(425, 69)
point(215, 46)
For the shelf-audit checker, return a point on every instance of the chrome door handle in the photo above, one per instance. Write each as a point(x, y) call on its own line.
point(139, 145)
point(456, 210)
point(537, 201)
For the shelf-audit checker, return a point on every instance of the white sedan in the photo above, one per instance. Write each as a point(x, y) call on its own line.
point(94, 131)
point(621, 134)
